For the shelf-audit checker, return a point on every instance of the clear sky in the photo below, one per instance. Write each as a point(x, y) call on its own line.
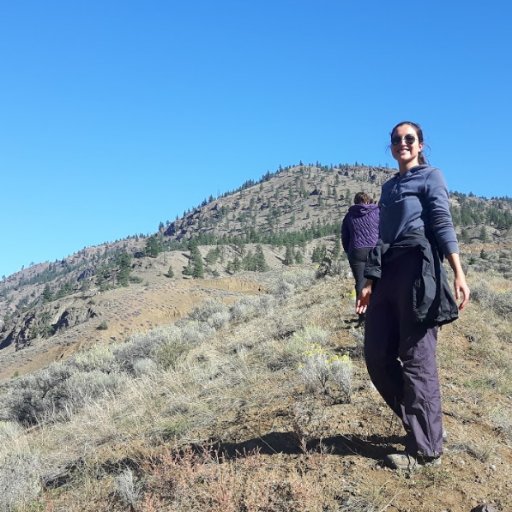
point(116, 115)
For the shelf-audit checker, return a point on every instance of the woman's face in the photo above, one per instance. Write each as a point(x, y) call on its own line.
point(405, 146)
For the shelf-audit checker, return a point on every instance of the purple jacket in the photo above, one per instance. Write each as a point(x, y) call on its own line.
point(360, 227)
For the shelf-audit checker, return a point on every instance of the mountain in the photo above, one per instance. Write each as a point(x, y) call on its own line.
point(298, 207)
point(215, 365)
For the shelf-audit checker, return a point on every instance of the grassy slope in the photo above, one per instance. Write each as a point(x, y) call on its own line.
point(229, 425)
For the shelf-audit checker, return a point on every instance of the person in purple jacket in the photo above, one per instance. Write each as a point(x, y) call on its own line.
point(359, 234)
point(406, 296)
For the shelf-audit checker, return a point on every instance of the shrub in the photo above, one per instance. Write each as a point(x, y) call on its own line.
point(328, 374)
point(311, 335)
point(56, 392)
point(499, 302)
point(215, 313)
point(145, 346)
point(180, 339)
point(39, 396)
point(138, 347)
point(19, 479)
point(127, 489)
point(219, 319)
point(99, 357)
point(170, 353)
point(103, 326)
point(283, 290)
point(341, 375)
point(207, 309)
point(308, 416)
point(288, 282)
point(144, 367)
point(194, 332)
point(250, 307)
point(83, 387)
point(503, 423)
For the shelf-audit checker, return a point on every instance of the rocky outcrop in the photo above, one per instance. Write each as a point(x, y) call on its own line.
point(73, 316)
point(44, 323)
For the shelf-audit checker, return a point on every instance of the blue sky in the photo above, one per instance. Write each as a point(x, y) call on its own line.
point(116, 115)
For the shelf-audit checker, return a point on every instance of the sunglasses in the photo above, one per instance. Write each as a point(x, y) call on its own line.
point(409, 139)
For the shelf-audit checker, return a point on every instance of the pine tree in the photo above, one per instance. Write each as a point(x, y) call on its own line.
point(289, 256)
point(195, 267)
point(198, 271)
point(259, 260)
point(123, 263)
point(153, 247)
point(234, 266)
point(47, 293)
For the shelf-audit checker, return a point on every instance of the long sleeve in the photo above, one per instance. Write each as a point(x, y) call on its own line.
point(439, 218)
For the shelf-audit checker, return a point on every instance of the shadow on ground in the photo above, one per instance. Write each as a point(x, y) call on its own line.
point(372, 447)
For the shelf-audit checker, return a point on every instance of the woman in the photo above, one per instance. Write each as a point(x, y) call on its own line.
point(359, 234)
point(407, 296)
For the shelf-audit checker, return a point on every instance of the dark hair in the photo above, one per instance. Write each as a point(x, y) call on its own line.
point(419, 133)
point(362, 198)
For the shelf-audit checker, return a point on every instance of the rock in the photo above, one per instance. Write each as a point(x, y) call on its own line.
point(43, 323)
point(484, 508)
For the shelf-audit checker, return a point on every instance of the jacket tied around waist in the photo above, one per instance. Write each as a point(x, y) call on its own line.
point(432, 300)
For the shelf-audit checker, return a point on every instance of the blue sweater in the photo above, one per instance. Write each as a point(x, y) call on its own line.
point(418, 199)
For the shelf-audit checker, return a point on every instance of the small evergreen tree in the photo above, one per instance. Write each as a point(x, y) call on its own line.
point(198, 271)
point(47, 293)
point(123, 262)
point(153, 247)
point(195, 267)
point(318, 254)
point(259, 260)
point(289, 256)
point(234, 266)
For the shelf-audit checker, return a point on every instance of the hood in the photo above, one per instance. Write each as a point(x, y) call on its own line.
point(360, 210)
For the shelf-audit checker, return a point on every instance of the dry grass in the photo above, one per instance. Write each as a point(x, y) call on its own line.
point(215, 415)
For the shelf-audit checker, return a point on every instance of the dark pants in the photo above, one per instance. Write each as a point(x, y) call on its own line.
point(401, 355)
point(357, 261)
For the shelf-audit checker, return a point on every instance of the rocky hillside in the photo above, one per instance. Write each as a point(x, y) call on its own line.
point(290, 216)
point(216, 365)
point(291, 200)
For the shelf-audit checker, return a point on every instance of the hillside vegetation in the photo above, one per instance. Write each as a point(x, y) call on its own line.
point(263, 404)
point(290, 216)
point(216, 365)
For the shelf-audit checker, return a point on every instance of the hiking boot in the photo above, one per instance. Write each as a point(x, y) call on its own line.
point(407, 462)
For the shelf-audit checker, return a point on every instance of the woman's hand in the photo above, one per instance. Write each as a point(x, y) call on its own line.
point(364, 298)
point(459, 284)
point(461, 290)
